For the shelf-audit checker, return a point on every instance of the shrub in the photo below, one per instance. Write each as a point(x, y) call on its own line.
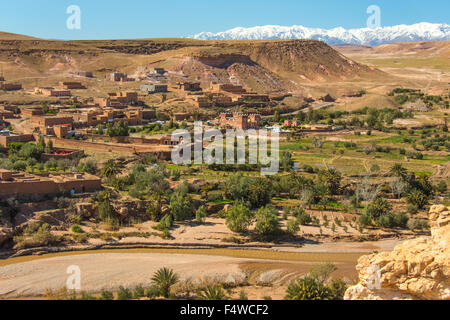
point(165, 223)
point(308, 288)
point(239, 218)
point(365, 220)
point(293, 226)
point(139, 292)
point(338, 288)
point(180, 206)
point(322, 271)
point(442, 186)
point(152, 292)
point(401, 220)
point(243, 296)
point(378, 207)
point(302, 217)
point(212, 292)
point(214, 196)
point(416, 224)
point(106, 295)
point(77, 229)
point(267, 222)
point(124, 294)
point(412, 208)
point(418, 198)
point(201, 214)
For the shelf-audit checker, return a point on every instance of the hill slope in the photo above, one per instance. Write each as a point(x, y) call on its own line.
point(15, 36)
point(263, 66)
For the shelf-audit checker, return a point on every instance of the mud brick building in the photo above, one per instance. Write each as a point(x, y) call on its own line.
point(227, 88)
point(71, 85)
point(189, 86)
point(6, 138)
point(31, 111)
point(52, 92)
point(120, 77)
point(23, 184)
point(239, 121)
point(51, 121)
point(154, 88)
point(11, 108)
point(5, 114)
point(203, 101)
point(159, 71)
point(10, 86)
point(117, 99)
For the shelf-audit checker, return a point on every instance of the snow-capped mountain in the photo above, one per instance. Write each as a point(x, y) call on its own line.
point(365, 36)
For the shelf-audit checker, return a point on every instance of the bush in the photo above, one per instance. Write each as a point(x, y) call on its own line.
point(36, 235)
point(180, 206)
point(416, 224)
point(201, 214)
point(412, 208)
point(139, 292)
point(308, 288)
point(239, 218)
point(124, 294)
point(267, 222)
point(106, 295)
point(401, 220)
point(152, 292)
point(214, 196)
point(338, 288)
point(88, 166)
point(365, 220)
point(293, 226)
point(378, 207)
point(165, 223)
point(418, 198)
point(442, 186)
point(212, 292)
point(302, 217)
point(77, 229)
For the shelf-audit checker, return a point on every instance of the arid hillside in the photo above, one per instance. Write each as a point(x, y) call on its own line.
point(14, 36)
point(263, 66)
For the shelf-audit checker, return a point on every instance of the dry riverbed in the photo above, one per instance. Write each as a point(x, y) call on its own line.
point(31, 276)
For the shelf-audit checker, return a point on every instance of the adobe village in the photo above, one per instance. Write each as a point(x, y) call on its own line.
point(86, 172)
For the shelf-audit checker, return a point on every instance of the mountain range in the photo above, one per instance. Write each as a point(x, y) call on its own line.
point(364, 36)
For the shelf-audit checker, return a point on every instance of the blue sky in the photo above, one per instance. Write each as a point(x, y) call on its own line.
point(114, 19)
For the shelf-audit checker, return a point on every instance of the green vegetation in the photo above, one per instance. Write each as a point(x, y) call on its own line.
point(164, 279)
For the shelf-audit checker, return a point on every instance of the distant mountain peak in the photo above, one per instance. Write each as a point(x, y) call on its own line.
point(423, 31)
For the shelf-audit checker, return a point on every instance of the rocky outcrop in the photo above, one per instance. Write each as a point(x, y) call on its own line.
point(415, 269)
point(5, 234)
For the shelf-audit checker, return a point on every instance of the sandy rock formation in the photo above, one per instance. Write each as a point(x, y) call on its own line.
point(415, 269)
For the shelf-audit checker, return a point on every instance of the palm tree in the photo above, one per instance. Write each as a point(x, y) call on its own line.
point(111, 168)
point(212, 292)
point(398, 170)
point(164, 279)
